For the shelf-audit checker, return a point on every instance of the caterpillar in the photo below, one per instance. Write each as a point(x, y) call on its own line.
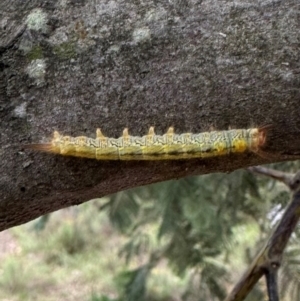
point(157, 147)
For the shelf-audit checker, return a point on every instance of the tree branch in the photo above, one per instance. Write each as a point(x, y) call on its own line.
point(89, 64)
point(269, 258)
point(272, 285)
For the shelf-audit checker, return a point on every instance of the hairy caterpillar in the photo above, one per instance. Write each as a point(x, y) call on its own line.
point(157, 147)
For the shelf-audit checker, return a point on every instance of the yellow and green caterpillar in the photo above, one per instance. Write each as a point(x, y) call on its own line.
point(169, 146)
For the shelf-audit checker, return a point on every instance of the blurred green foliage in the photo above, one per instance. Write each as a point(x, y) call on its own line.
point(188, 239)
point(194, 222)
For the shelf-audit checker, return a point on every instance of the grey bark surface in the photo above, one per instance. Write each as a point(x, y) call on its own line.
point(74, 65)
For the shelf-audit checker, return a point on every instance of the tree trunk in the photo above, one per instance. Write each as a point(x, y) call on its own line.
point(76, 65)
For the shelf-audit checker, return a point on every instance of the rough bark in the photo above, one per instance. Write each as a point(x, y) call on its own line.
point(77, 65)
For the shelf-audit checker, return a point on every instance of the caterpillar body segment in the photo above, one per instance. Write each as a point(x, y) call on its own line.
point(157, 147)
